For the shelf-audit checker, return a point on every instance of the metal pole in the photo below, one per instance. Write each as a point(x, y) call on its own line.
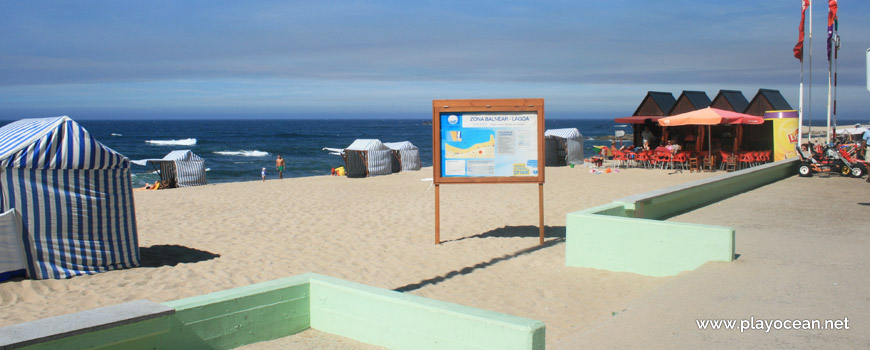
point(810, 93)
point(801, 98)
point(828, 133)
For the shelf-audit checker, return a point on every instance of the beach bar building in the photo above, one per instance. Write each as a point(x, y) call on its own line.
point(654, 106)
point(405, 156)
point(179, 168)
point(367, 157)
point(767, 103)
point(690, 101)
point(730, 100)
point(563, 147)
point(73, 198)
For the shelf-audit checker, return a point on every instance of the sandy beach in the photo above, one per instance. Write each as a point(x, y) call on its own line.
point(795, 260)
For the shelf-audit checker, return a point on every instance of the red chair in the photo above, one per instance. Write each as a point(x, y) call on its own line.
point(631, 158)
point(746, 159)
point(620, 158)
point(766, 156)
point(644, 159)
point(663, 158)
point(759, 158)
point(681, 159)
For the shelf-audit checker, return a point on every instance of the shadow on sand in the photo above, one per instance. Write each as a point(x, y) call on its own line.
point(555, 235)
point(171, 255)
point(517, 232)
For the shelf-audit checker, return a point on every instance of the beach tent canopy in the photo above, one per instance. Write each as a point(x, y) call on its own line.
point(405, 156)
point(367, 157)
point(73, 196)
point(179, 168)
point(563, 147)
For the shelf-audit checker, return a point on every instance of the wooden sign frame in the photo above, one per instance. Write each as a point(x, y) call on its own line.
point(484, 107)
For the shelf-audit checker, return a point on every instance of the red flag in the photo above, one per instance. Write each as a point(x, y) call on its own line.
point(832, 19)
point(799, 47)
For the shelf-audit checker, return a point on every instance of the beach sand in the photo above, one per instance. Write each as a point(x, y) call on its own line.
point(380, 232)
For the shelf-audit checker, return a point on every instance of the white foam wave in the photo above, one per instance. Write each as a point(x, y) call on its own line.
point(183, 142)
point(243, 153)
point(116, 134)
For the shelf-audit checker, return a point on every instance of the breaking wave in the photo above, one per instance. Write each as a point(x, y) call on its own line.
point(184, 142)
point(243, 153)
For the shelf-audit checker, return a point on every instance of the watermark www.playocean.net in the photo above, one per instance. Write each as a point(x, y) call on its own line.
point(766, 325)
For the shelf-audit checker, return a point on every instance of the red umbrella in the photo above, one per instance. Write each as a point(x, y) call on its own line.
point(710, 116)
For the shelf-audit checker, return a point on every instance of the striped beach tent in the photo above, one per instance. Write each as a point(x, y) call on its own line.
point(73, 195)
point(367, 157)
point(406, 156)
point(563, 147)
point(179, 168)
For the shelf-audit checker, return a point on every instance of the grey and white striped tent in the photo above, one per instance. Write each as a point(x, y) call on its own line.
point(179, 168)
point(563, 147)
point(405, 157)
point(73, 195)
point(367, 157)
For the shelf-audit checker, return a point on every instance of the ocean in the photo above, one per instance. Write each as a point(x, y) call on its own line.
point(236, 150)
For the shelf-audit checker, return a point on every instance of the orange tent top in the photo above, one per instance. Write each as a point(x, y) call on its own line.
point(710, 116)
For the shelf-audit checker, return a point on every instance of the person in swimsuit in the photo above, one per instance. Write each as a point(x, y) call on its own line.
point(263, 174)
point(279, 165)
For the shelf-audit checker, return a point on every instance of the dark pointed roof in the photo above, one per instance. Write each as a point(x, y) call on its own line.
point(655, 103)
point(690, 101)
point(730, 100)
point(767, 100)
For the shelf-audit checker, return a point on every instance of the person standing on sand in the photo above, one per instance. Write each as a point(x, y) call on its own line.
point(263, 174)
point(279, 165)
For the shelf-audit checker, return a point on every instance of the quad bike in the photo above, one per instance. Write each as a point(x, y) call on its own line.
point(833, 158)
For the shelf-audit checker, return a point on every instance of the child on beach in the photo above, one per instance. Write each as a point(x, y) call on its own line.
point(263, 174)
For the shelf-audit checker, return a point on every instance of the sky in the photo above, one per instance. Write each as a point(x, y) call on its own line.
point(118, 59)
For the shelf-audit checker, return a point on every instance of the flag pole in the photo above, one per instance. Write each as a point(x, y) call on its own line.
point(836, 52)
point(801, 90)
point(828, 108)
point(810, 87)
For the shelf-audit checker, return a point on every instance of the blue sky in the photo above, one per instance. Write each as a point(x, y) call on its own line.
point(281, 59)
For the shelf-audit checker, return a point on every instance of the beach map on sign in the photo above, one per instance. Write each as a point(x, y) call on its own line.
point(457, 147)
point(488, 144)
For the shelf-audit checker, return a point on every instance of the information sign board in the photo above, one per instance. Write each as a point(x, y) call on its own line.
point(478, 141)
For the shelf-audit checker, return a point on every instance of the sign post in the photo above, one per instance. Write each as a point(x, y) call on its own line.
point(488, 141)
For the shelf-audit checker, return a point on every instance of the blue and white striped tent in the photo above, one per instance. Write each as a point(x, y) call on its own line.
point(179, 168)
point(405, 154)
point(73, 195)
point(367, 157)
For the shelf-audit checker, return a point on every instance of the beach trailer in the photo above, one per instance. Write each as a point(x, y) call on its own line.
point(179, 168)
point(563, 147)
point(367, 157)
point(73, 197)
point(405, 156)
